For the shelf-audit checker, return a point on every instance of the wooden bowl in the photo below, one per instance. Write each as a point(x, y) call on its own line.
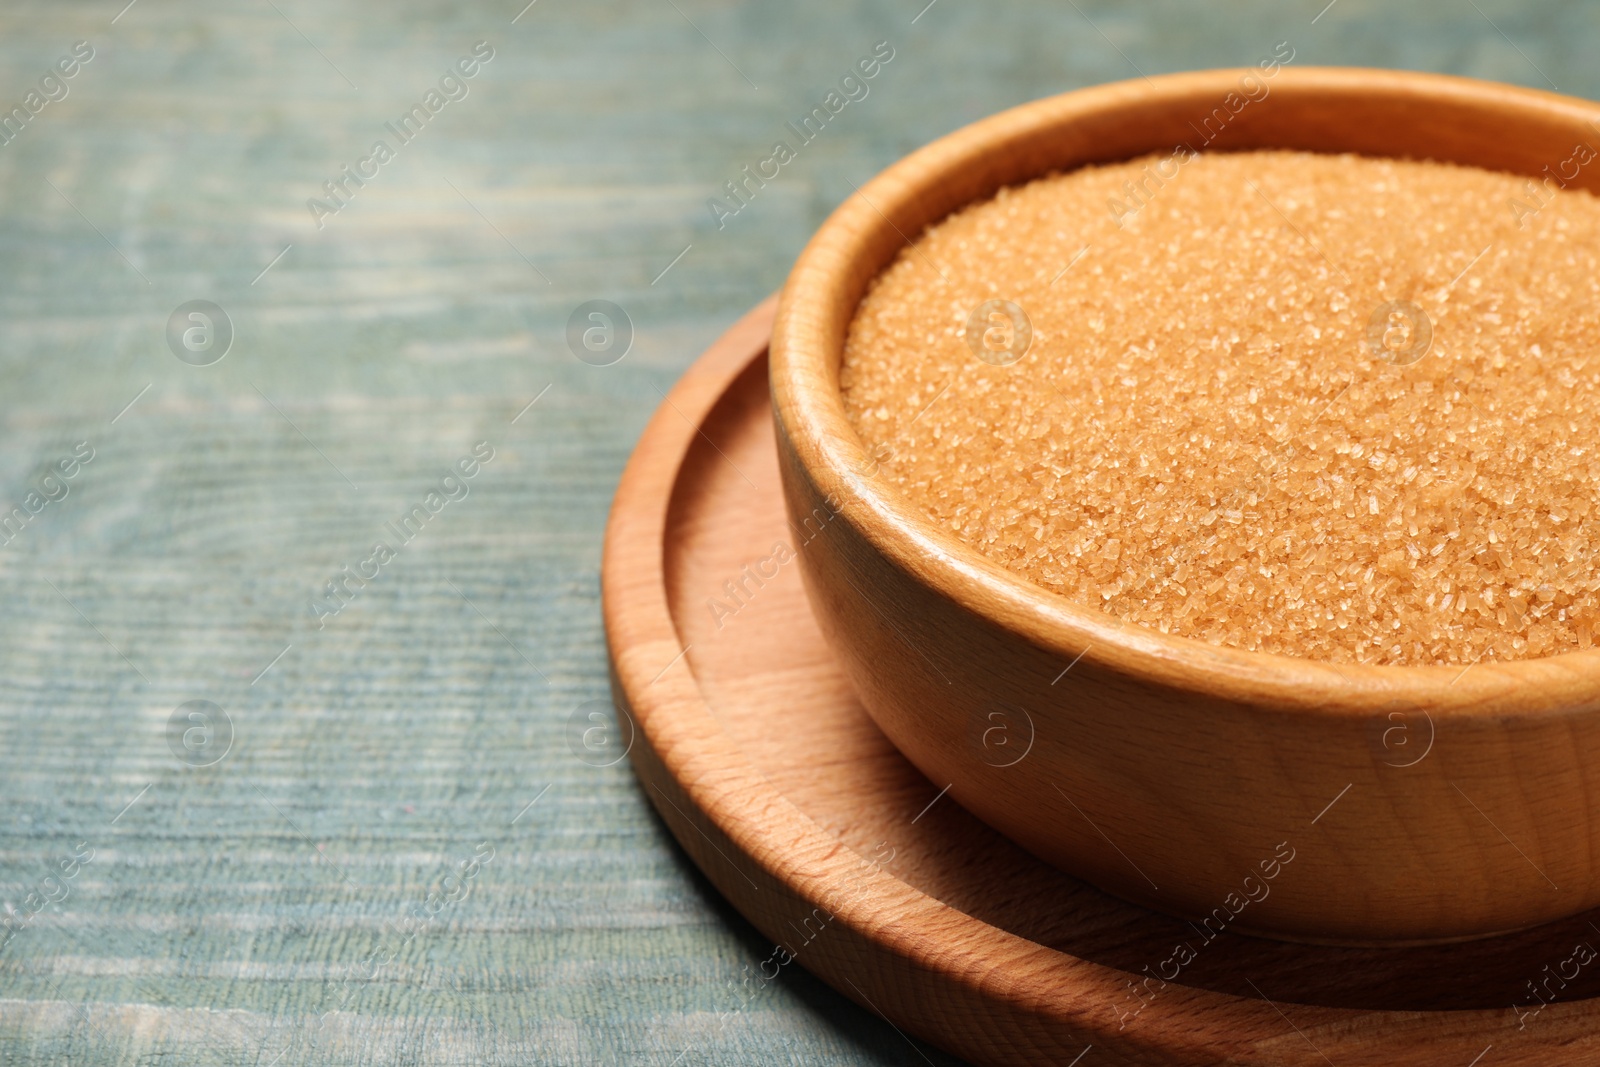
point(1261, 793)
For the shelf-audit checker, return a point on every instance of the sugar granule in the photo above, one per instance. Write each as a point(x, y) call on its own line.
point(1216, 429)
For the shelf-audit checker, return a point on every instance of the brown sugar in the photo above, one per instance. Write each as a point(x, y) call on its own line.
point(1325, 406)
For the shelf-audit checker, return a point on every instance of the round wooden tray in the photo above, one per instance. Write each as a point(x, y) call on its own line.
point(753, 749)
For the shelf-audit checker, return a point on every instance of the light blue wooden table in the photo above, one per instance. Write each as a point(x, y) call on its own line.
point(372, 841)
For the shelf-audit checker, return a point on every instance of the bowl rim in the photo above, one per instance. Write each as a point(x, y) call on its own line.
point(811, 418)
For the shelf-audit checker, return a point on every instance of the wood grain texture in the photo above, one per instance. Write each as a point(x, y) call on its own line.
point(213, 928)
point(1151, 744)
point(757, 754)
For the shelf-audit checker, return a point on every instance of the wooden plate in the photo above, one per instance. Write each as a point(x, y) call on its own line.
point(753, 749)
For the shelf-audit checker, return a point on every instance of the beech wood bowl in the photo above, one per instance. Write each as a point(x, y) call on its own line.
point(1261, 793)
